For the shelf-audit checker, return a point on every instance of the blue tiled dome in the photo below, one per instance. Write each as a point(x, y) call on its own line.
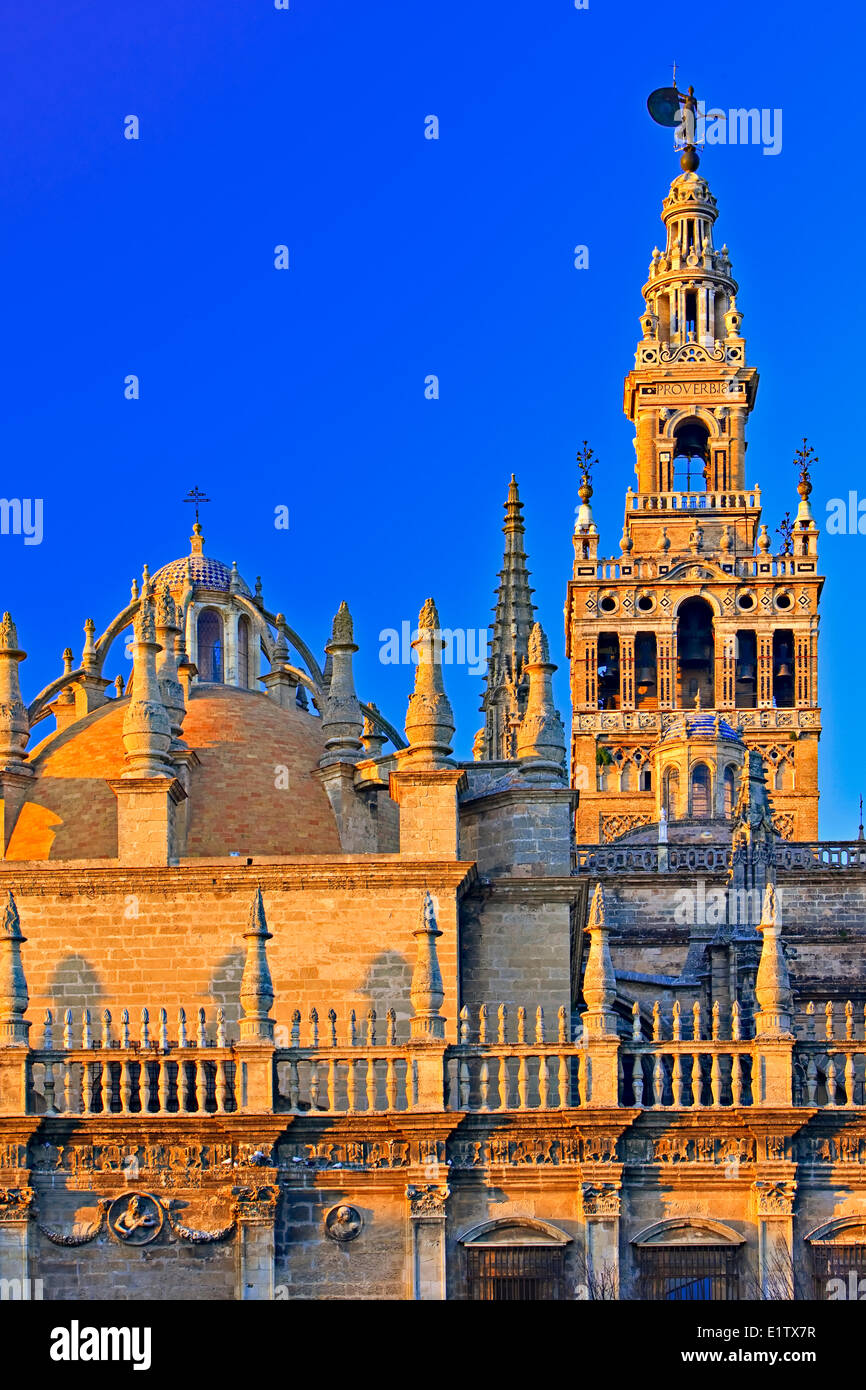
point(206, 573)
point(703, 724)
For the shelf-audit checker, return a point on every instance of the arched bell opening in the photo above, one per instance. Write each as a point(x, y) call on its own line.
point(691, 455)
point(783, 668)
point(646, 671)
point(695, 655)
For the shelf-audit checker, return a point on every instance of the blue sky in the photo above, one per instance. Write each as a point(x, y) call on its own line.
point(408, 257)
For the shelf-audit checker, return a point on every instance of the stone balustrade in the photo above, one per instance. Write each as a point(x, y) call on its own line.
point(488, 1071)
point(90, 1072)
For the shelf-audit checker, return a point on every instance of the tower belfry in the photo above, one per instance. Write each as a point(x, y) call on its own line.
point(697, 612)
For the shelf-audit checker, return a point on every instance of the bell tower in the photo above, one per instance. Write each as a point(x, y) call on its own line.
point(699, 610)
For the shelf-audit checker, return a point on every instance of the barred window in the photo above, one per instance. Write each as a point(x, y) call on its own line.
point(691, 1273)
point(838, 1271)
point(515, 1273)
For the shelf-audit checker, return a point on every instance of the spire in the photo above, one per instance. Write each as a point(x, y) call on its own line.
point(257, 990)
point(599, 981)
point(14, 724)
point(14, 997)
point(196, 540)
point(168, 630)
point(541, 737)
point(506, 686)
point(773, 985)
point(146, 725)
point(429, 718)
point(427, 993)
point(341, 718)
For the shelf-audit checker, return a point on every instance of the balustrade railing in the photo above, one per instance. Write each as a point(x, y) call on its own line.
point(488, 1072)
point(693, 1068)
point(327, 1075)
point(830, 1070)
point(80, 1073)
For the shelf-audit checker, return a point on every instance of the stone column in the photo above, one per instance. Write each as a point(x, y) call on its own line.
point(774, 1208)
point(17, 1207)
point(427, 1216)
point(600, 1203)
point(255, 1210)
point(626, 671)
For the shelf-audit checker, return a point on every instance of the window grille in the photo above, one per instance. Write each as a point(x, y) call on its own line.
point(519, 1273)
point(691, 1273)
point(837, 1261)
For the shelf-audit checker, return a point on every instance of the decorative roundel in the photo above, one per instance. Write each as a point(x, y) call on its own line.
point(645, 603)
point(785, 600)
point(746, 602)
point(343, 1223)
point(607, 603)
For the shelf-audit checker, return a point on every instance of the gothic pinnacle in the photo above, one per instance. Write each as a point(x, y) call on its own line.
point(146, 724)
point(429, 718)
point(541, 737)
point(505, 684)
point(14, 723)
point(342, 721)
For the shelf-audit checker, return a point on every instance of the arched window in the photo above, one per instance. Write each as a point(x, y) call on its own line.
point(210, 645)
point(701, 800)
point(838, 1256)
point(514, 1260)
point(688, 1260)
point(671, 793)
point(730, 790)
point(783, 780)
point(244, 672)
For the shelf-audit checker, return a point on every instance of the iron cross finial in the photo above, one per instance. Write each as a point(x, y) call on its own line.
point(196, 496)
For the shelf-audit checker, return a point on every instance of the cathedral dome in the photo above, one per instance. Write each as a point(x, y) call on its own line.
point(205, 573)
point(253, 789)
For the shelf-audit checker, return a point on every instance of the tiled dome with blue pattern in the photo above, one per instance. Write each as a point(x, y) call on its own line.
point(206, 573)
point(703, 724)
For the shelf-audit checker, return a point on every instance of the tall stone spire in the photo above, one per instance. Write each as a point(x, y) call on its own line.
point(429, 718)
point(257, 989)
point(541, 737)
point(773, 985)
point(342, 721)
point(427, 992)
point(506, 685)
point(146, 726)
point(14, 724)
point(168, 630)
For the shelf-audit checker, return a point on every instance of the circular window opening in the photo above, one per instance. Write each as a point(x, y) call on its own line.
point(745, 602)
point(608, 604)
point(783, 601)
point(645, 603)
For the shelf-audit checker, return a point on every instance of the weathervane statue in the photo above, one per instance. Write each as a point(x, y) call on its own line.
point(670, 107)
